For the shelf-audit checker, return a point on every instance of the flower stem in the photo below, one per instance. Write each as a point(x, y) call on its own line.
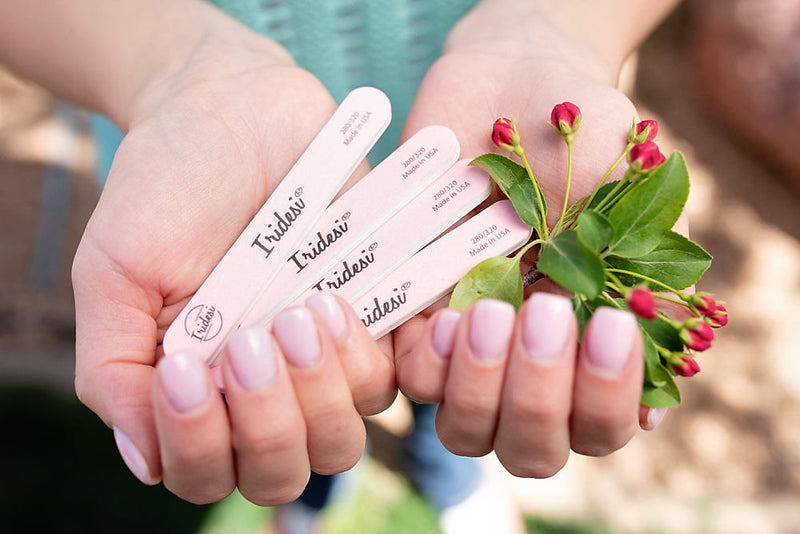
point(668, 299)
point(645, 278)
point(569, 184)
point(545, 231)
point(608, 173)
point(527, 247)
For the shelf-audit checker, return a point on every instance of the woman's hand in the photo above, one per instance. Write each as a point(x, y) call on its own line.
point(522, 384)
point(207, 144)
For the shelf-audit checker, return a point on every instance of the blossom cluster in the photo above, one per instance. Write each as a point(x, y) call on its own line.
point(632, 288)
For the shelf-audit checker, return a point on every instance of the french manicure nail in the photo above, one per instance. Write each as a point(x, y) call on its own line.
point(183, 376)
point(132, 457)
point(444, 332)
point(331, 312)
point(297, 334)
point(490, 327)
point(611, 336)
point(546, 322)
point(252, 357)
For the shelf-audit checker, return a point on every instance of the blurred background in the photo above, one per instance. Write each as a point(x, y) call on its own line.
point(725, 86)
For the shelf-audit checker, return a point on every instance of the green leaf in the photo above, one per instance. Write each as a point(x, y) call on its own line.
point(666, 396)
point(604, 191)
point(649, 209)
point(659, 389)
point(594, 230)
point(571, 265)
point(676, 262)
point(498, 278)
point(513, 180)
point(663, 334)
point(583, 312)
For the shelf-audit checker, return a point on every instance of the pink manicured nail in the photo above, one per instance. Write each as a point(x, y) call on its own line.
point(546, 322)
point(490, 327)
point(133, 458)
point(297, 334)
point(444, 332)
point(331, 312)
point(183, 376)
point(252, 357)
point(654, 417)
point(611, 336)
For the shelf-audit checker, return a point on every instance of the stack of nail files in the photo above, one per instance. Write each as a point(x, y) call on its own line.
point(389, 190)
point(280, 225)
point(432, 272)
point(449, 198)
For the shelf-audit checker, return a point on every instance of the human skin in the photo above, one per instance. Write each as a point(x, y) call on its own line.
point(211, 110)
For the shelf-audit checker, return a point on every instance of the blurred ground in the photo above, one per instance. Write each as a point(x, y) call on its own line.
point(728, 461)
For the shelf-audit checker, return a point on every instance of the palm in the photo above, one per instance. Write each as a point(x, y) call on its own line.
point(525, 89)
point(184, 183)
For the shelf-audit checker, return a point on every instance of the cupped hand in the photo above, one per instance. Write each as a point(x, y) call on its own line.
point(521, 383)
point(207, 143)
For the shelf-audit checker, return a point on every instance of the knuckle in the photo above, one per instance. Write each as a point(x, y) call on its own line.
point(334, 464)
point(204, 495)
point(602, 440)
point(261, 443)
point(274, 496)
point(539, 467)
point(463, 445)
point(475, 407)
point(546, 415)
point(190, 459)
point(83, 390)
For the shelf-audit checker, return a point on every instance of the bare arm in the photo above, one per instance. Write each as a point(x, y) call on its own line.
point(605, 31)
point(104, 54)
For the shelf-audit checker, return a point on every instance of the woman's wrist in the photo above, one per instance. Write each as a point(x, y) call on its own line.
point(211, 46)
point(593, 38)
point(107, 56)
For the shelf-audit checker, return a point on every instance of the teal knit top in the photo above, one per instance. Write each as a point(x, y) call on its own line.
point(388, 44)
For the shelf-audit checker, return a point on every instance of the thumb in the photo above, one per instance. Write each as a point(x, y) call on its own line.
point(116, 337)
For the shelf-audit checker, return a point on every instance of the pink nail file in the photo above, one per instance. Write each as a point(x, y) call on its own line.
point(288, 214)
point(390, 186)
point(432, 272)
point(424, 219)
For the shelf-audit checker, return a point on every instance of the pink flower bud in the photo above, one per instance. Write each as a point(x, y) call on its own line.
point(644, 131)
point(707, 305)
point(697, 335)
point(645, 156)
point(565, 118)
point(719, 318)
point(504, 134)
point(688, 368)
point(642, 303)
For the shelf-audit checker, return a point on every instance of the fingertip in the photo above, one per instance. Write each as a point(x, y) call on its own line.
point(649, 418)
point(133, 458)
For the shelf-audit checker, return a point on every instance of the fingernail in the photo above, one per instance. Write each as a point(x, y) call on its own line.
point(331, 312)
point(252, 357)
point(133, 458)
point(654, 417)
point(444, 332)
point(490, 329)
point(183, 376)
point(297, 334)
point(546, 322)
point(611, 336)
